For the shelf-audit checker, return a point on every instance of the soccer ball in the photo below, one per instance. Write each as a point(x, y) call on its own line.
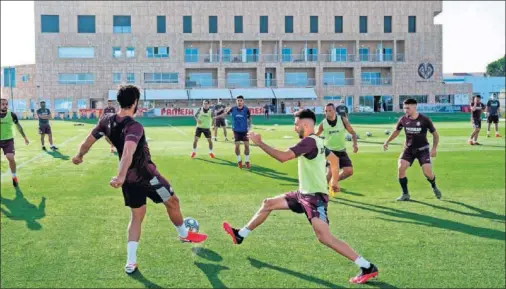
point(191, 224)
point(348, 137)
point(368, 134)
point(387, 132)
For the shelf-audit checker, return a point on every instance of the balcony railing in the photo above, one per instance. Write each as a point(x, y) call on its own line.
point(204, 83)
point(338, 57)
point(299, 58)
point(377, 57)
point(399, 57)
point(239, 58)
point(271, 83)
point(338, 82)
point(201, 58)
point(240, 83)
point(270, 57)
point(310, 82)
point(385, 81)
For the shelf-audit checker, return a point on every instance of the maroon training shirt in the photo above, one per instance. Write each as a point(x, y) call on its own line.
point(416, 130)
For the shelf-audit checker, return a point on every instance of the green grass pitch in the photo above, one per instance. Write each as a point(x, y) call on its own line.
point(66, 227)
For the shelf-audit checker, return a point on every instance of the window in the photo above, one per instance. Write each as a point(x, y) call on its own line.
point(116, 52)
point(313, 24)
point(121, 24)
point(187, 24)
point(130, 52)
point(225, 54)
point(238, 24)
point(9, 77)
point(213, 24)
point(339, 54)
point(191, 55)
point(264, 24)
point(366, 103)
point(363, 24)
point(296, 79)
point(370, 78)
point(130, 77)
point(76, 52)
point(333, 78)
point(387, 54)
point(116, 77)
point(82, 103)
point(201, 79)
point(364, 54)
point(62, 104)
point(160, 24)
point(49, 23)
point(85, 23)
point(76, 78)
point(157, 52)
point(25, 77)
point(338, 24)
point(239, 79)
point(387, 28)
point(161, 78)
point(286, 54)
point(412, 24)
point(288, 24)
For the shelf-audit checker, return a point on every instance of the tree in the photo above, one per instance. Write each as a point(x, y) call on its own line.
point(496, 68)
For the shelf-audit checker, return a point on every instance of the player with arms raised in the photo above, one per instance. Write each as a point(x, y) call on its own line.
point(416, 146)
point(137, 174)
point(311, 198)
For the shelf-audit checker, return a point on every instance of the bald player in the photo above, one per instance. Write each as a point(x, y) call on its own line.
point(311, 198)
point(416, 146)
point(109, 110)
point(8, 120)
point(333, 128)
point(137, 174)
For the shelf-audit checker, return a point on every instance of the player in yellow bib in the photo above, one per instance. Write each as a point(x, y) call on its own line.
point(332, 129)
point(7, 121)
point(311, 197)
point(204, 120)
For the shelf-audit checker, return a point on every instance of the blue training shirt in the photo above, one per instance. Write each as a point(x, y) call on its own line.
point(240, 118)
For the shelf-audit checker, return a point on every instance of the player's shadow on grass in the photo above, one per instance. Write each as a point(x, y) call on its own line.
point(20, 209)
point(424, 220)
point(255, 169)
point(344, 191)
point(137, 275)
point(479, 212)
point(207, 254)
point(58, 155)
point(212, 271)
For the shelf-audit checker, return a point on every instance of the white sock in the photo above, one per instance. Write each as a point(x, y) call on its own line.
point(182, 231)
point(363, 263)
point(238, 158)
point(210, 151)
point(246, 157)
point(488, 132)
point(194, 150)
point(14, 175)
point(132, 252)
point(244, 232)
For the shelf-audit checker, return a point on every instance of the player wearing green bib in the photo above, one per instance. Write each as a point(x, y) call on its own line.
point(204, 120)
point(7, 121)
point(311, 198)
point(333, 128)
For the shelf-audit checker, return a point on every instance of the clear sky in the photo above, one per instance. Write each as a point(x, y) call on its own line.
point(473, 34)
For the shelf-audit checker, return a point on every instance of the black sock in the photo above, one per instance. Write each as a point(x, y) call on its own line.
point(433, 182)
point(404, 185)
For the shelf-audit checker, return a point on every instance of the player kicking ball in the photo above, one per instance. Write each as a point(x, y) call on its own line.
point(416, 146)
point(137, 175)
point(311, 198)
point(7, 122)
point(204, 120)
point(332, 128)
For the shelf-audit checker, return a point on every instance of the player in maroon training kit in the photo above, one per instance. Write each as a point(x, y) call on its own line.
point(416, 146)
point(137, 174)
point(109, 110)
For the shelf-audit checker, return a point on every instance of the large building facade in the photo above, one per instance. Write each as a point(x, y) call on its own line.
point(371, 54)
